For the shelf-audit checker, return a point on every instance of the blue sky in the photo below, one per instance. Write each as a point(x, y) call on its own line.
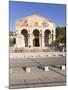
point(54, 12)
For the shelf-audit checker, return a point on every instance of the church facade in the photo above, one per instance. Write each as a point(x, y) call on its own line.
point(35, 31)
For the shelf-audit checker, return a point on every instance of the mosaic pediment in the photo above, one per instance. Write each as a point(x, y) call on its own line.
point(33, 21)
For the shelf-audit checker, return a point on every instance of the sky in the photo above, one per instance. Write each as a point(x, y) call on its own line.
point(54, 12)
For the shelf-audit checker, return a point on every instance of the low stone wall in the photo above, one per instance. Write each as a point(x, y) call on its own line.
point(36, 54)
point(32, 49)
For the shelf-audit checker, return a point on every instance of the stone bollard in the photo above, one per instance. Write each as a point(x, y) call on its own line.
point(49, 55)
point(63, 49)
point(56, 54)
point(63, 54)
point(46, 68)
point(27, 69)
point(62, 67)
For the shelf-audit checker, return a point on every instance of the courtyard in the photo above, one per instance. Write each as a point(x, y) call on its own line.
point(37, 70)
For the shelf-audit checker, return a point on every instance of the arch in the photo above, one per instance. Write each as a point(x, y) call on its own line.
point(14, 40)
point(24, 32)
point(46, 37)
point(36, 38)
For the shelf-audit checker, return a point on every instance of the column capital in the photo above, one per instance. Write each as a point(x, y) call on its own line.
point(42, 35)
point(43, 43)
point(19, 35)
point(30, 39)
point(30, 34)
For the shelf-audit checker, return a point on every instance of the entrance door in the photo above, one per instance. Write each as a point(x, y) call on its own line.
point(36, 38)
point(46, 37)
point(36, 42)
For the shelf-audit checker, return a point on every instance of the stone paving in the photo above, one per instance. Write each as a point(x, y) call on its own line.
point(37, 76)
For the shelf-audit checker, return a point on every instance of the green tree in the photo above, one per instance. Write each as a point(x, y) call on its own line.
point(61, 35)
point(11, 33)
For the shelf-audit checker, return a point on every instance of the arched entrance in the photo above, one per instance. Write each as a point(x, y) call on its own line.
point(46, 37)
point(36, 38)
point(25, 35)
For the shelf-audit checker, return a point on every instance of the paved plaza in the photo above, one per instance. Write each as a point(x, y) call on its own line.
point(37, 72)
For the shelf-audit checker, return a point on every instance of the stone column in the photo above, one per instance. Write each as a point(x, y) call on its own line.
point(50, 38)
point(17, 41)
point(54, 37)
point(20, 41)
point(30, 38)
point(43, 43)
point(40, 43)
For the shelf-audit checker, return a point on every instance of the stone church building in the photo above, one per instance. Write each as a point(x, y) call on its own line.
point(35, 31)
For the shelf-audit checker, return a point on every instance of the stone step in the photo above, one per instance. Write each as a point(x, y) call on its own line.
point(34, 49)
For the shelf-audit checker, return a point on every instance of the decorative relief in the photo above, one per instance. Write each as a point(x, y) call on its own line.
point(36, 24)
point(33, 23)
point(23, 23)
point(45, 24)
